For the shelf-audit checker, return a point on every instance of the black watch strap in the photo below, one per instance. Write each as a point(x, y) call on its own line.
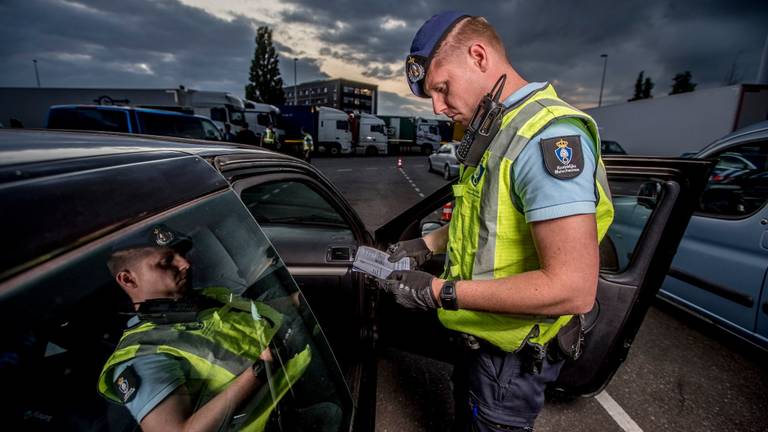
point(448, 296)
point(259, 370)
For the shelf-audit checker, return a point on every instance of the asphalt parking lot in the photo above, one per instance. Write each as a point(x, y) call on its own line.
point(682, 373)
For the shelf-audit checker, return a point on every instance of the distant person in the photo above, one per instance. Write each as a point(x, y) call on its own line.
point(246, 136)
point(307, 145)
point(268, 139)
point(228, 135)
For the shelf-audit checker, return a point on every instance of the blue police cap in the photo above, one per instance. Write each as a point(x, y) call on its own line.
point(423, 47)
point(155, 237)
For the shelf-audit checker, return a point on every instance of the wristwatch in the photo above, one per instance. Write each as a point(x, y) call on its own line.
point(448, 296)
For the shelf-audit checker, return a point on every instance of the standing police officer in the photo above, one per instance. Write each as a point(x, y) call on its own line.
point(268, 139)
point(307, 145)
point(532, 204)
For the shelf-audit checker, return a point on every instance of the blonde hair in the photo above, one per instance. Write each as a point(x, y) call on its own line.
point(466, 32)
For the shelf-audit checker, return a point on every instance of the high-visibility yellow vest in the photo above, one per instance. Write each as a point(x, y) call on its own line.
point(489, 237)
point(308, 144)
point(218, 347)
point(269, 136)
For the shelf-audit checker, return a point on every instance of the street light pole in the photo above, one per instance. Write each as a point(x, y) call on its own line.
point(295, 86)
point(37, 75)
point(602, 82)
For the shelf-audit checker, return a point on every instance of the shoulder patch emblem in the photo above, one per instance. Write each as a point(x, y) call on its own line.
point(563, 156)
point(126, 384)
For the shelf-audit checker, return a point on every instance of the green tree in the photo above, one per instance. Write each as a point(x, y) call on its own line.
point(264, 82)
point(638, 88)
point(682, 83)
point(647, 88)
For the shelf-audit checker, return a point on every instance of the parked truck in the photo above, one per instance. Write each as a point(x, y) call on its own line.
point(369, 134)
point(329, 128)
point(28, 106)
point(259, 116)
point(682, 123)
point(409, 134)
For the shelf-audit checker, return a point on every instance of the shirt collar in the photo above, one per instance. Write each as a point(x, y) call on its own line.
point(522, 92)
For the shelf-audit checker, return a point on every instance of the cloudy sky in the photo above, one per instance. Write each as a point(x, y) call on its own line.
point(208, 44)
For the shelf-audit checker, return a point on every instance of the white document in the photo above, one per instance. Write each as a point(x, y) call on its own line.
point(376, 263)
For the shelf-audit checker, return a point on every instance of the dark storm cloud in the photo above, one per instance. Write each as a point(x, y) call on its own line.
point(562, 41)
point(139, 43)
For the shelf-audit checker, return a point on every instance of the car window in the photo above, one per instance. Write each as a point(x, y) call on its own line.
point(88, 119)
point(290, 202)
point(172, 125)
point(64, 329)
point(211, 131)
point(444, 149)
point(738, 185)
point(633, 201)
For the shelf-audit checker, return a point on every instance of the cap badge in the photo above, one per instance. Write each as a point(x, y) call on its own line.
point(162, 237)
point(414, 69)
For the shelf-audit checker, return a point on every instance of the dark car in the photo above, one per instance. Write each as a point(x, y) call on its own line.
point(263, 225)
point(608, 147)
point(145, 121)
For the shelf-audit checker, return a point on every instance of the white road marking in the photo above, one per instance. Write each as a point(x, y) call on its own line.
point(617, 413)
point(412, 183)
point(421, 194)
point(417, 189)
point(344, 169)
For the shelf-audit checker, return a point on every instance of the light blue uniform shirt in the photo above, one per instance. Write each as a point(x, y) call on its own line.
point(538, 194)
point(159, 375)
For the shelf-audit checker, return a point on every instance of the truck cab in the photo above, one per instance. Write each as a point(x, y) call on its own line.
point(333, 132)
point(369, 134)
point(427, 135)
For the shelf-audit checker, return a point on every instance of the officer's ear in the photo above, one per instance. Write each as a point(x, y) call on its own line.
point(478, 54)
point(127, 280)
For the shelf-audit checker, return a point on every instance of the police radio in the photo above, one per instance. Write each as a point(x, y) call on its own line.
point(483, 126)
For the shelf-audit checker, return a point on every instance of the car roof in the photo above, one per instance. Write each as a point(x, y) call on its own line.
point(24, 146)
point(752, 132)
point(93, 183)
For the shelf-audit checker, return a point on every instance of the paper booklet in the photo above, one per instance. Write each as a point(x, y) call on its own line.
point(376, 263)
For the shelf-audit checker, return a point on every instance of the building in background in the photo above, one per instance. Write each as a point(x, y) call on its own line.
point(342, 94)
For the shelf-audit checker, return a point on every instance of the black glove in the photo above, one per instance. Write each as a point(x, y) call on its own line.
point(416, 249)
point(411, 289)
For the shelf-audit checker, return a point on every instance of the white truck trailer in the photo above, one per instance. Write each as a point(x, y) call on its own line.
point(28, 106)
point(682, 123)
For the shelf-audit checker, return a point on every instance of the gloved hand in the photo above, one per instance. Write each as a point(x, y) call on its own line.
point(411, 289)
point(416, 249)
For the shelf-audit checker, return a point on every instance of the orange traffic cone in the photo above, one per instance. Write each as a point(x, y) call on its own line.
point(399, 162)
point(447, 212)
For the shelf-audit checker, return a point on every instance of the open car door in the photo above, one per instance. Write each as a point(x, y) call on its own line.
point(653, 199)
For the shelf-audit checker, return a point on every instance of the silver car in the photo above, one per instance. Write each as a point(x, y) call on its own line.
point(444, 161)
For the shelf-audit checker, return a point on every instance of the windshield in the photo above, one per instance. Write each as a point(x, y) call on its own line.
point(236, 117)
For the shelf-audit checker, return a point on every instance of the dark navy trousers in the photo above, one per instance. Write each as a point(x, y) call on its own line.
point(491, 393)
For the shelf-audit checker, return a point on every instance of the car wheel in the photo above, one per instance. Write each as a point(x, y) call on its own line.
point(447, 172)
point(429, 166)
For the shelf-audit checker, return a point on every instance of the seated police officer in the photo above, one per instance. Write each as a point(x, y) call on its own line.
point(194, 360)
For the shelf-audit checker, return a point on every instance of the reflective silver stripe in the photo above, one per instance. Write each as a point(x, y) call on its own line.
point(602, 178)
point(150, 340)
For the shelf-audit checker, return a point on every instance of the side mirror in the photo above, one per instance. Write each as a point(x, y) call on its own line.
point(429, 226)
